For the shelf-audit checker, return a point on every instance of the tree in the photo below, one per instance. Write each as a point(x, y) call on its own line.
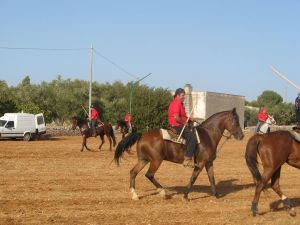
point(269, 98)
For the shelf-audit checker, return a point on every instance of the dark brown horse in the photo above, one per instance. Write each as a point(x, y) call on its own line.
point(122, 125)
point(274, 149)
point(152, 148)
point(101, 130)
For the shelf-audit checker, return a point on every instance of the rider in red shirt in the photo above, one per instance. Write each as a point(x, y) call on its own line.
point(128, 119)
point(262, 117)
point(94, 119)
point(177, 119)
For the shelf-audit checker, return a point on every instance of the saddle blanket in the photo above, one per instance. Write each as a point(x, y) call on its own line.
point(166, 136)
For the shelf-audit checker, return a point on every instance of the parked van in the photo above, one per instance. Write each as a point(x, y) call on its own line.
point(22, 125)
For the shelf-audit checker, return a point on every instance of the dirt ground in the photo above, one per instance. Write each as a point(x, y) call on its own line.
point(52, 182)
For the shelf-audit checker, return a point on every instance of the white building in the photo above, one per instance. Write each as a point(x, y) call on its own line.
point(208, 103)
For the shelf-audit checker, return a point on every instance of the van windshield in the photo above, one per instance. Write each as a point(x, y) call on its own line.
point(2, 123)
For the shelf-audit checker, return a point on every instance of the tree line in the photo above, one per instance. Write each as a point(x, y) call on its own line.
point(61, 99)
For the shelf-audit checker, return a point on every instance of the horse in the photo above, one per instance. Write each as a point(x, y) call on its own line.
point(265, 127)
point(123, 127)
point(152, 148)
point(274, 149)
point(101, 130)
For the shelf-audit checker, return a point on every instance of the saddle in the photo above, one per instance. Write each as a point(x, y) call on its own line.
point(171, 134)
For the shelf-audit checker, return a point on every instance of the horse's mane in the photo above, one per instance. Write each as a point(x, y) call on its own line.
point(209, 119)
point(79, 119)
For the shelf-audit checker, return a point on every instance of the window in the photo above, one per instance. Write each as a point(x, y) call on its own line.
point(40, 120)
point(10, 124)
point(2, 123)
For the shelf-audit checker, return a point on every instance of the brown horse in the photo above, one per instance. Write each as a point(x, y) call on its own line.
point(274, 149)
point(101, 130)
point(152, 148)
point(123, 127)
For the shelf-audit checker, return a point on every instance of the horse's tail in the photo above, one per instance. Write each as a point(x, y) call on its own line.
point(125, 144)
point(112, 134)
point(251, 156)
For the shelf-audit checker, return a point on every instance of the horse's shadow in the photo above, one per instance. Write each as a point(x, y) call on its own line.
point(223, 188)
point(278, 206)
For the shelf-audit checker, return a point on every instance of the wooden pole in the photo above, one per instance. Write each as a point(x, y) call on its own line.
point(285, 78)
point(186, 123)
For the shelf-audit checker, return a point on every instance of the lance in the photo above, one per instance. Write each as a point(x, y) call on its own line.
point(85, 110)
point(285, 78)
point(186, 123)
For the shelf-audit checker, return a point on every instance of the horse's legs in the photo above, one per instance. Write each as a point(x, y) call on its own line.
point(133, 173)
point(109, 139)
point(196, 172)
point(210, 172)
point(154, 165)
point(84, 137)
point(275, 186)
point(102, 141)
point(259, 187)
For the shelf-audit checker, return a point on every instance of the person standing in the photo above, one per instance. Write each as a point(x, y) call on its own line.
point(297, 109)
point(94, 119)
point(128, 120)
point(178, 120)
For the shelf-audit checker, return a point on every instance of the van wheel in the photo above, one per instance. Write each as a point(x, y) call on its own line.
point(27, 137)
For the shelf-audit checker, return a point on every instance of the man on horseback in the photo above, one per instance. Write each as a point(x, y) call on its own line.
point(128, 119)
point(94, 119)
point(262, 117)
point(178, 120)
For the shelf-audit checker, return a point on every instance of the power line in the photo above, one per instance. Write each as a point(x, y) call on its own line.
point(44, 49)
point(73, 49)
point(115, 64)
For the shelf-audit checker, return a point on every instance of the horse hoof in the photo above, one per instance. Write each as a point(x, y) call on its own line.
point(254, 213)
point(162, 192)
point(135, 197)
point(292, 212)
point(185, 199)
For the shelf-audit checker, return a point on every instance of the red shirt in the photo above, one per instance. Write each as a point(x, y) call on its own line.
point(128, 117)
point(94, 114)
point(262, 116)
point(176, 108)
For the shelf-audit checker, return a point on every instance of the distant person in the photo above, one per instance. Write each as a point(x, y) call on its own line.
point(128, 120)
point(94, 119)
point(297, 110)
point(262, 117)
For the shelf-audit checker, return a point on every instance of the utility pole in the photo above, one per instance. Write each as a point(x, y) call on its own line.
point(131, 91)
point(91, 78)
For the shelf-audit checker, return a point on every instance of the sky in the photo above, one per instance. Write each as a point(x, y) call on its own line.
point(224, 46)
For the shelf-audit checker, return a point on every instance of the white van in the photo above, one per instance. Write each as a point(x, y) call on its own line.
point(22, 125)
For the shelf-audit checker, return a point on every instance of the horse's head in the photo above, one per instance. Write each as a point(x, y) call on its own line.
point(271, 120)
point(232, 124)
point(118, 124)
point(74, 121)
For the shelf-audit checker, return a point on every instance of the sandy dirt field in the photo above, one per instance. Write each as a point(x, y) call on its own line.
point(52, 182)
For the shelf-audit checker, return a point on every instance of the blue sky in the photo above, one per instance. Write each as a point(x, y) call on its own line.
point(221, 46)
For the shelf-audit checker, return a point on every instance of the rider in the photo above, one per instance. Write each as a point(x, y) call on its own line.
point(178, 120)
point(128, 119)
point(297, 110)
point(262, 117)
point(94, 119)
